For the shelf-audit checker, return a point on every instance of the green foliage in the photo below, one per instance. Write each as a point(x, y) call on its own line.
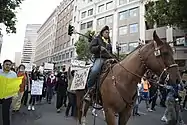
point(8, 14)
point(167, 12)
point(83, 47)
point(121, 56)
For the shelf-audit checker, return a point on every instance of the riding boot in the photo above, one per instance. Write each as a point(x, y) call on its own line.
point(87, 95)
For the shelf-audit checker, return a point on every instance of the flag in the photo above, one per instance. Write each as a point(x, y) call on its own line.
point(9, 86)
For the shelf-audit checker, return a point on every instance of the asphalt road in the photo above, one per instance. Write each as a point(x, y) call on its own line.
point(45, 114)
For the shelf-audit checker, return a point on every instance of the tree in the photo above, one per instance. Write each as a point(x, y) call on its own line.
point(167, 12)
point(82, 47)
point(121, 56)
point(8, 14)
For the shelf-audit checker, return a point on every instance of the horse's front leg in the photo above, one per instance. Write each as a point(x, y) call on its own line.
point(109, 116)
point(85, 108)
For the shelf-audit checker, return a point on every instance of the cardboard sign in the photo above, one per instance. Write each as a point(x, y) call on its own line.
point(80, 79)
point(37, 87)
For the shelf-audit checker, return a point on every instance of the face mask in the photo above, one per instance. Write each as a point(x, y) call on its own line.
point(21, 70)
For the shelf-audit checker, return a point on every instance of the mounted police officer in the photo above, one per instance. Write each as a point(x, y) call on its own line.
point(101, 48)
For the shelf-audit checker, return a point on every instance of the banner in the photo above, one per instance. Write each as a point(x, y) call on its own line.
point(80, 79)
point(9, 86)
point(37, 87)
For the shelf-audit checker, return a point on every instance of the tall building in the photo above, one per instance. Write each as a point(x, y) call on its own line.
point(122, 16)
point(46, 40)
point(1, 40)
point(17, 60)
point(29, 43)
point(63, 48)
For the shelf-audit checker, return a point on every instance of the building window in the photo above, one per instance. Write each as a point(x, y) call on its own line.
point(109, 5)
point(67, 55)
point(133, 12)
point(134, 28)
point(110, 33)
point(72, 41)
point(122, 2)
point(123, 30)
point(90, 12)
point(124, 48)
point(101, 8)
point(83, 26)
point(71, 54)
point(123, 15)
point(90, 1)
point(133, 46)
point(109, 19)
point(89, 24)
point(83, 14)
point(101, 21)
point(74, 19)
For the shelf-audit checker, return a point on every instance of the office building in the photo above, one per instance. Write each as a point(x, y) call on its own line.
point(63, 48)
point(17, 60)
point(29, 43)
point(46, 40)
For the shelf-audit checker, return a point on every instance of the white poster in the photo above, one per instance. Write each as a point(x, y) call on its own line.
point(49, 66)
point(36, 88)
point(80, 79)
point(28, 67)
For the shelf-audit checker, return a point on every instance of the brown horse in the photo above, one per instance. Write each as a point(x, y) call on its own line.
point(118, 90)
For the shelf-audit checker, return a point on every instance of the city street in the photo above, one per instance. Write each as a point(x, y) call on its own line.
point(45, 114)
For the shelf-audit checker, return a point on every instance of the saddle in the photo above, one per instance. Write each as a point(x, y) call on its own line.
point(106, 68)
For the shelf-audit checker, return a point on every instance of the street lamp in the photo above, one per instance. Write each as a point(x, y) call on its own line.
point(118, 48)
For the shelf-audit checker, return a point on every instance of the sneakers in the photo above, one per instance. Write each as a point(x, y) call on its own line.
point(31, 108)
point(164, 119)
point(149, 110)
point(58, 110)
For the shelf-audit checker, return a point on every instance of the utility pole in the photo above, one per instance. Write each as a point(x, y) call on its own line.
point(118, 48)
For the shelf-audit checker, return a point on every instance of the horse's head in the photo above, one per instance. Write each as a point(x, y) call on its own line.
point(158, 56)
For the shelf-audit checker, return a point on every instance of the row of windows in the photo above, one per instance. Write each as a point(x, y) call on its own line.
point(102, 7)
point(109, 19)
point(128, 13)
point(128, 47)
point(132, 28)
point(63, 56)
point(121, 2)
point(86, 25)
point(90, 12)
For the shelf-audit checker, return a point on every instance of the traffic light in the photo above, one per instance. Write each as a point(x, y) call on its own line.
point(70, 30)
point(90, 37)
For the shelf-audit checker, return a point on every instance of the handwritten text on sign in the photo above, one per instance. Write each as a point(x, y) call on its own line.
point(37, 87)
point(80, 79)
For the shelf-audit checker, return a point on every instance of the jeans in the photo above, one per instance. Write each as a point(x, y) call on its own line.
point(5, 111)
point(61, 98)
point(95, 70)
point(49, 93)
point(71, 104)
point(33, 100)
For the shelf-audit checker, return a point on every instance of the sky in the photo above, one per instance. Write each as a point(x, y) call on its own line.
point(30, 12)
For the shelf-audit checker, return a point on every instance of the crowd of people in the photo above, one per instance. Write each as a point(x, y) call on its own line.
point(54, 84)
point(170, 95)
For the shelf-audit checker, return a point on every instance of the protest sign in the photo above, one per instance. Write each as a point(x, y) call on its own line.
point(37, 87)
point(80, 79)
point(9, 86)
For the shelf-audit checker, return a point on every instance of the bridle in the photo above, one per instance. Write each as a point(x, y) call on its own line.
point(157, 53)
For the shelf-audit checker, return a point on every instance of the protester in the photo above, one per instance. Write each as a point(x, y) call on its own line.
point(51, 81)
point(61, 88)
point(71, 95)
point(34, 77)
point(6, 102)
point(16, 102)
